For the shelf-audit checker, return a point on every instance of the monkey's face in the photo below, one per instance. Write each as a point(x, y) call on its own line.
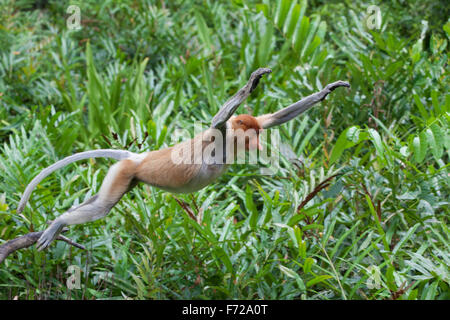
point(246, 130)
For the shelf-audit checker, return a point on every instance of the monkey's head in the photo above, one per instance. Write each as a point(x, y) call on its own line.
point(247, 127)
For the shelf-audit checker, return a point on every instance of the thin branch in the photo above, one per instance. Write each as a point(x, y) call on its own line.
point(28, 240)
point(186, 208)
point(324, 184)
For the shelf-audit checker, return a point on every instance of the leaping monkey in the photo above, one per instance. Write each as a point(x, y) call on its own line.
point(158, 168)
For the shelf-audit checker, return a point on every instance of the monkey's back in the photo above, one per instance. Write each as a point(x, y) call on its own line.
point(180, 169)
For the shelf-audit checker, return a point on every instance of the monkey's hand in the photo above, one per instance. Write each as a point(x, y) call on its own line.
point(229, 107)
point(256, 75)
point(332, 86)
point(49, 235)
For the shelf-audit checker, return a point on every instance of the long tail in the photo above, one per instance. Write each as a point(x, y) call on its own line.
point(101, 153)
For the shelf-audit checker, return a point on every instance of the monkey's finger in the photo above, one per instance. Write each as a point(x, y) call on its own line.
point(45, 240)
point(256, 75)
point(337, 84)
point(260, 71)
point(44, 245)
point(41, 244)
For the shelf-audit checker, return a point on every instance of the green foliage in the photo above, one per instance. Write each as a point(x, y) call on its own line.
point(357, 210)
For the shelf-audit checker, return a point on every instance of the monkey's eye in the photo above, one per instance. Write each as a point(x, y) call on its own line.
point(239, 122)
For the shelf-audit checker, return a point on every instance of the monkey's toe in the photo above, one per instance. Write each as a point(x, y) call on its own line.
point(43, 243)
point(48, 236)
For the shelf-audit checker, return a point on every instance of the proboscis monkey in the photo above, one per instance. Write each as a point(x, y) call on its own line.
point(161, 169)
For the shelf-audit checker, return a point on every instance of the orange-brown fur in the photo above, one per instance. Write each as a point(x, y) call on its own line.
point(122, 181)
point(157, 169)
point(246, 122)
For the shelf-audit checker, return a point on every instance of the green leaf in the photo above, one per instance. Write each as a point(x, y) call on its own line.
point(431, 291)
point(312, 47)
point(250, 205)
point(282, 11)
point(353, 134)
point(390, 279)
point(308, 137)
point(294, 18)
point(292, 274)
point(413, 295)
point(300, 34)
point(343, 143)
point(265, 46)
point(302, 249)
point(416, 51)
point(423, 146)
point(438, 139)
point(392, 68)
point(264, 8)
point(209, 87)
point(310, 34)
point(307, 265)
point(405, 238)
point(203, 30)
point(317, 279)
point(435, 102)
point(446, 28)
point(289, 272)
point(431, 141)
point(222, 255)
point(161, 137)
point(376, 140)
point(420, 106)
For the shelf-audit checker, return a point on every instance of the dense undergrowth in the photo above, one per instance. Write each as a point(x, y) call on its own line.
point(359, 212)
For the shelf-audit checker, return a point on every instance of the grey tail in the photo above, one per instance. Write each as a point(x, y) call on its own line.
point(101, 153)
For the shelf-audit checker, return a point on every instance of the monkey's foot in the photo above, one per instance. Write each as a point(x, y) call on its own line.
point(49, 235)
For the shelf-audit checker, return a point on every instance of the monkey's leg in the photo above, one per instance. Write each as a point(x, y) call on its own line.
point(117, 182)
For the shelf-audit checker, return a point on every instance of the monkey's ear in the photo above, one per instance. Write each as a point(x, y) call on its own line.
point(229, 107)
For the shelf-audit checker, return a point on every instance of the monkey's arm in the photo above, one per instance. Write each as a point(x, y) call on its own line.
point(229, 107)
point(288, 113)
